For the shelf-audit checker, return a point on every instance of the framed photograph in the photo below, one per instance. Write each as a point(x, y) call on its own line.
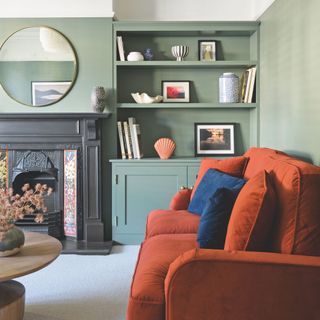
point(176, 91)
point(44, 93)
point(214, 139)
point(207, 50)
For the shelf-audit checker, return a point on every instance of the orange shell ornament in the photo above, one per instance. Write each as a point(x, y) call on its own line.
point(164, 148)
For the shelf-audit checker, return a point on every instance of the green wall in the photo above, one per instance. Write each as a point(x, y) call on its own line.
point(92, 41)
point(290, 85)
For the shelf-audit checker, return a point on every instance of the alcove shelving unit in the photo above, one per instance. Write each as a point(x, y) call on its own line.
point(237, 46)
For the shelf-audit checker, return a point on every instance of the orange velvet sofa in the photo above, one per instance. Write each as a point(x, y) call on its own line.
point(175, 280)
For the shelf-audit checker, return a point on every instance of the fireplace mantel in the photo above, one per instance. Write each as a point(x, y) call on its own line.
point(60, 131)
point(54, 115)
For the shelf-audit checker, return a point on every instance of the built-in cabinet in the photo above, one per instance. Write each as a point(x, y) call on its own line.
point(142, 185)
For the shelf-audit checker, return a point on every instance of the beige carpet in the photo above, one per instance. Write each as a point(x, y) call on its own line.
point(81, 287)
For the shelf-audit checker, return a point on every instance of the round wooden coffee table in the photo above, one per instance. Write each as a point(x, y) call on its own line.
point(38, 251)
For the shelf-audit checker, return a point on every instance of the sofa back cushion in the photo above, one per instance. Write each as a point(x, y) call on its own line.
point(258, 158)
point(297, 221)
point(252, 215)
point(232, 166)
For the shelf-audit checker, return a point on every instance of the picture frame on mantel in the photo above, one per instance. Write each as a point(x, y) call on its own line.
point(214, 139)
point(175, 91)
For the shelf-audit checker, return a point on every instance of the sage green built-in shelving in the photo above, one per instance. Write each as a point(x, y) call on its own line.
point(134, 181)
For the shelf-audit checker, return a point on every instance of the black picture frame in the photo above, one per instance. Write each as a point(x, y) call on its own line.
point(181, 95)
point(208, 144)
point(207, 50)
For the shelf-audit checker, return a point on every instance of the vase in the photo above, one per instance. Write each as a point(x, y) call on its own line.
point(12, 242)
point(98, 99)
point(228, 88)
point(148, 54)
point(135, 56)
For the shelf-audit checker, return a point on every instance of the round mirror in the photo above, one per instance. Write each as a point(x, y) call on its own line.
point(38, 66)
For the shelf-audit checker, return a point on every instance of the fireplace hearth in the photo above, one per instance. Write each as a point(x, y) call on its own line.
point(64, 152)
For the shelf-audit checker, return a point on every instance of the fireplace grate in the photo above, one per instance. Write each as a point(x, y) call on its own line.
point(52, 224)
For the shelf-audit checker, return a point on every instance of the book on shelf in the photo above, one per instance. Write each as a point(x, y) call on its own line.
point(247, 85)
point(127, 139)
point(137, 138)
point(120, 48)
point(121, 140)
point(131, 122)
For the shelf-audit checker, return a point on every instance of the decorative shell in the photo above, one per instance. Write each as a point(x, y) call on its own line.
point(145, 98)
point(164, 148)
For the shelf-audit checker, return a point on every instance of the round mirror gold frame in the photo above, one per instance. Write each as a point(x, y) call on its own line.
point(38, 66)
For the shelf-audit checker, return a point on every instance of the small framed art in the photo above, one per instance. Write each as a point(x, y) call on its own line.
point(207, 50)
point(44, 93)
point(214, 139)
point(176, 91)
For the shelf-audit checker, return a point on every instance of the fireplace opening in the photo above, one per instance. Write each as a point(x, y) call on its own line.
point(32, 168)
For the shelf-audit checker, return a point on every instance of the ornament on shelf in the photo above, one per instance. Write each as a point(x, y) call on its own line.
point(145, 98)
point(228, 88)
point(180, 52)
point(148, 54)
point(135, 56)
point(165, 148)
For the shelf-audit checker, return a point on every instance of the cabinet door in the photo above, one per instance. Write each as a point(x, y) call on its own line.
point(192, 175)
point(138, 190)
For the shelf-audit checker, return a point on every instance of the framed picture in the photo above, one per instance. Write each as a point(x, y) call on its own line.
point(176, 91)
point(207, 50)
point(44, 93)
point(214, 139)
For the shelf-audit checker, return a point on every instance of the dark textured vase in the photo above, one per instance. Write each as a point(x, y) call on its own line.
point(98, 99)
point(12, 243)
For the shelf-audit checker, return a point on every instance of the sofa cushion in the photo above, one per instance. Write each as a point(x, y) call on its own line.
point(147, 300)
point(180, 200)
point(297, 185)
point(258, 158)
point(234, 166)
point(252, 215)
point(210, 182)
point(170, 222)
point(214, 219)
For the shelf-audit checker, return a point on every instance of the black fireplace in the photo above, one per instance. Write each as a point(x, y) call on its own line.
point(64, 152)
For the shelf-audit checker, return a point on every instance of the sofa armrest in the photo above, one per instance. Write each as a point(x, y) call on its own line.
point(180, 200)
point(217, 284)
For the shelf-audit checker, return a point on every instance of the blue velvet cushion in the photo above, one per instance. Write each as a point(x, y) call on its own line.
point(215, 218)
point(211, 181)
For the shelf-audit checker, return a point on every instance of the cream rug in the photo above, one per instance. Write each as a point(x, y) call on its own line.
point(78, 287)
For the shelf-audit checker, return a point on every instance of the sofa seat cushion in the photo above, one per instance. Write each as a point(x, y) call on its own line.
point(170, 222)
point(147, 299)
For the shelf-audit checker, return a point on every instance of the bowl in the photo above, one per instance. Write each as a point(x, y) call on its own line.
point(180, 52)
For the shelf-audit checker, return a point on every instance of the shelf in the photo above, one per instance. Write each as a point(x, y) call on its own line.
point(188, 64)
point(171, 105)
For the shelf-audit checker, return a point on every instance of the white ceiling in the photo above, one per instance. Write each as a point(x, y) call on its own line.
point(139, 9)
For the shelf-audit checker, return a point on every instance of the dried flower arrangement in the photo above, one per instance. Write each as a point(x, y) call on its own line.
point(15, 207)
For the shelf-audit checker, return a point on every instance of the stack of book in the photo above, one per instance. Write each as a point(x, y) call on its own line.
point(129, 139)
point(247, 88)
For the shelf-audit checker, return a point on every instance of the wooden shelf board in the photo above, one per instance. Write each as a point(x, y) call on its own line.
point(187, 64)
point(187, 105)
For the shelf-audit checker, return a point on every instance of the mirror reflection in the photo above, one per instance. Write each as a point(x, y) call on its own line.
point(37, 66)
